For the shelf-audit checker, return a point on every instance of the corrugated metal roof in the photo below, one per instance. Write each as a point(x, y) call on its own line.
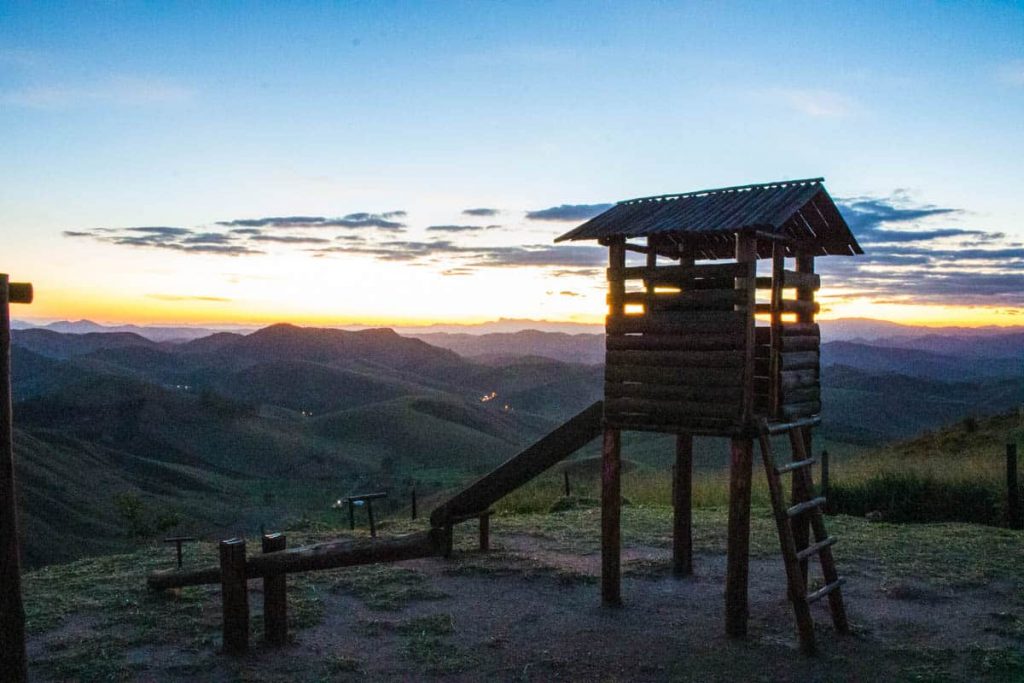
point(799, 209)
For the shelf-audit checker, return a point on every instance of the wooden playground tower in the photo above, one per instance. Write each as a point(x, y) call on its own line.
point(686, 356)
point(692, 350)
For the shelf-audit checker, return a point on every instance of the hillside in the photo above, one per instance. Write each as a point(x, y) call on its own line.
point(288, 419)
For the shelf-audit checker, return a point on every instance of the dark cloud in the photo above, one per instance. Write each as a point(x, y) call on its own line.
point(909, 260)
point(568, 212)
point(169, 238)
point(872, 220)
point(275, 222)
point(289, 239)
point(246, 231)
point(461, 228)
point(208, 238)
point(382, 221)
point(538, 255)
point(480, 212)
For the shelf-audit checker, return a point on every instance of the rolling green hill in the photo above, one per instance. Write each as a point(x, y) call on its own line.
point(121, 438)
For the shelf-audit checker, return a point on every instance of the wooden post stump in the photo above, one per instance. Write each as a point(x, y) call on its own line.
point(234, 596)
point(275, 596)
point(485, 531)
point(682, 493)
point(611, 509)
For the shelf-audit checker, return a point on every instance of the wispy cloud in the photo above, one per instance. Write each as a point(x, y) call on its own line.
point(1012, 73)
point(815, 103)
point(568, 212)
point(119, 91)
point(910, 259)
point(170, 238)
point(461, 228)
point(381, 221)
point(480, 213)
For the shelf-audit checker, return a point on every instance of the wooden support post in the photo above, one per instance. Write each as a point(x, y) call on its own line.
point(682, 505)
point(414, 503)
point(449, 540)
point(13, 659)
point(369, 514)
point(742, 458)
point(234, 596)
point(275, 596)
point(775, 359)
point(737, 563)
point(611, 508)
point(565, 477)
point(351, 514)
point(485, 531)
point(1013, 508)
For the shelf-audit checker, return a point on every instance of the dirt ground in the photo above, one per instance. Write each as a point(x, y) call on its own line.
point(529, 610)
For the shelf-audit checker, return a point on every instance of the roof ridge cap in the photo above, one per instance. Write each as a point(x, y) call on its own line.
point(721, 190)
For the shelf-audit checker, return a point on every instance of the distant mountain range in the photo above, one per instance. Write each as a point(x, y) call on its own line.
point(120, 435)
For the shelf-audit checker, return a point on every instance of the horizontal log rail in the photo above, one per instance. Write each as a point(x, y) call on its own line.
point(678, 273)
point(793, 280)
point(329, 555)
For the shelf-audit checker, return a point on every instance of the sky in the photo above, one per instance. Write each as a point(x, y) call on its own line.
point(411, 163)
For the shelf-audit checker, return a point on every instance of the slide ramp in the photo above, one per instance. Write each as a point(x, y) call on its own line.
point(519, 469)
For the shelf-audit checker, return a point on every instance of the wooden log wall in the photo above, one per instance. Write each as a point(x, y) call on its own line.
point(787, 354)
point(675, 348)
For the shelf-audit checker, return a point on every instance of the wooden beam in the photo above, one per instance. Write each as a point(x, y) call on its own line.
point(19, 292)
point(13, 659)
point(329, 555)
point(611, 509)
point(682, 507)
point(738, 550)
point(234, 596)
point(275, 595)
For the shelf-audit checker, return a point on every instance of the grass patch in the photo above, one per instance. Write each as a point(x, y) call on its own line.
point(914, 497)
point(427, 644)
point(386, 587)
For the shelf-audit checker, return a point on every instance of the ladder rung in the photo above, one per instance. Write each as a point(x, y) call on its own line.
point(795, 465)
point(816, 548)
point(805, 506)
point(780, 427)
point(825, 590)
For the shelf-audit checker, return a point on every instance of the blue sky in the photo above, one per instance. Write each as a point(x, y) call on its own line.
point(181, 115)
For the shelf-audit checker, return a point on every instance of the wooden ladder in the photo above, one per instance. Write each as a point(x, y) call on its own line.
point(792, 521)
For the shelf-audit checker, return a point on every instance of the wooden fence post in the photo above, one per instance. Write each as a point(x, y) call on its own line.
point(414, 503)
point(13, 659)
point(1013, 510)
point(275, 596)
point(565, 476)
point(234, 596)
point(485, 531)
